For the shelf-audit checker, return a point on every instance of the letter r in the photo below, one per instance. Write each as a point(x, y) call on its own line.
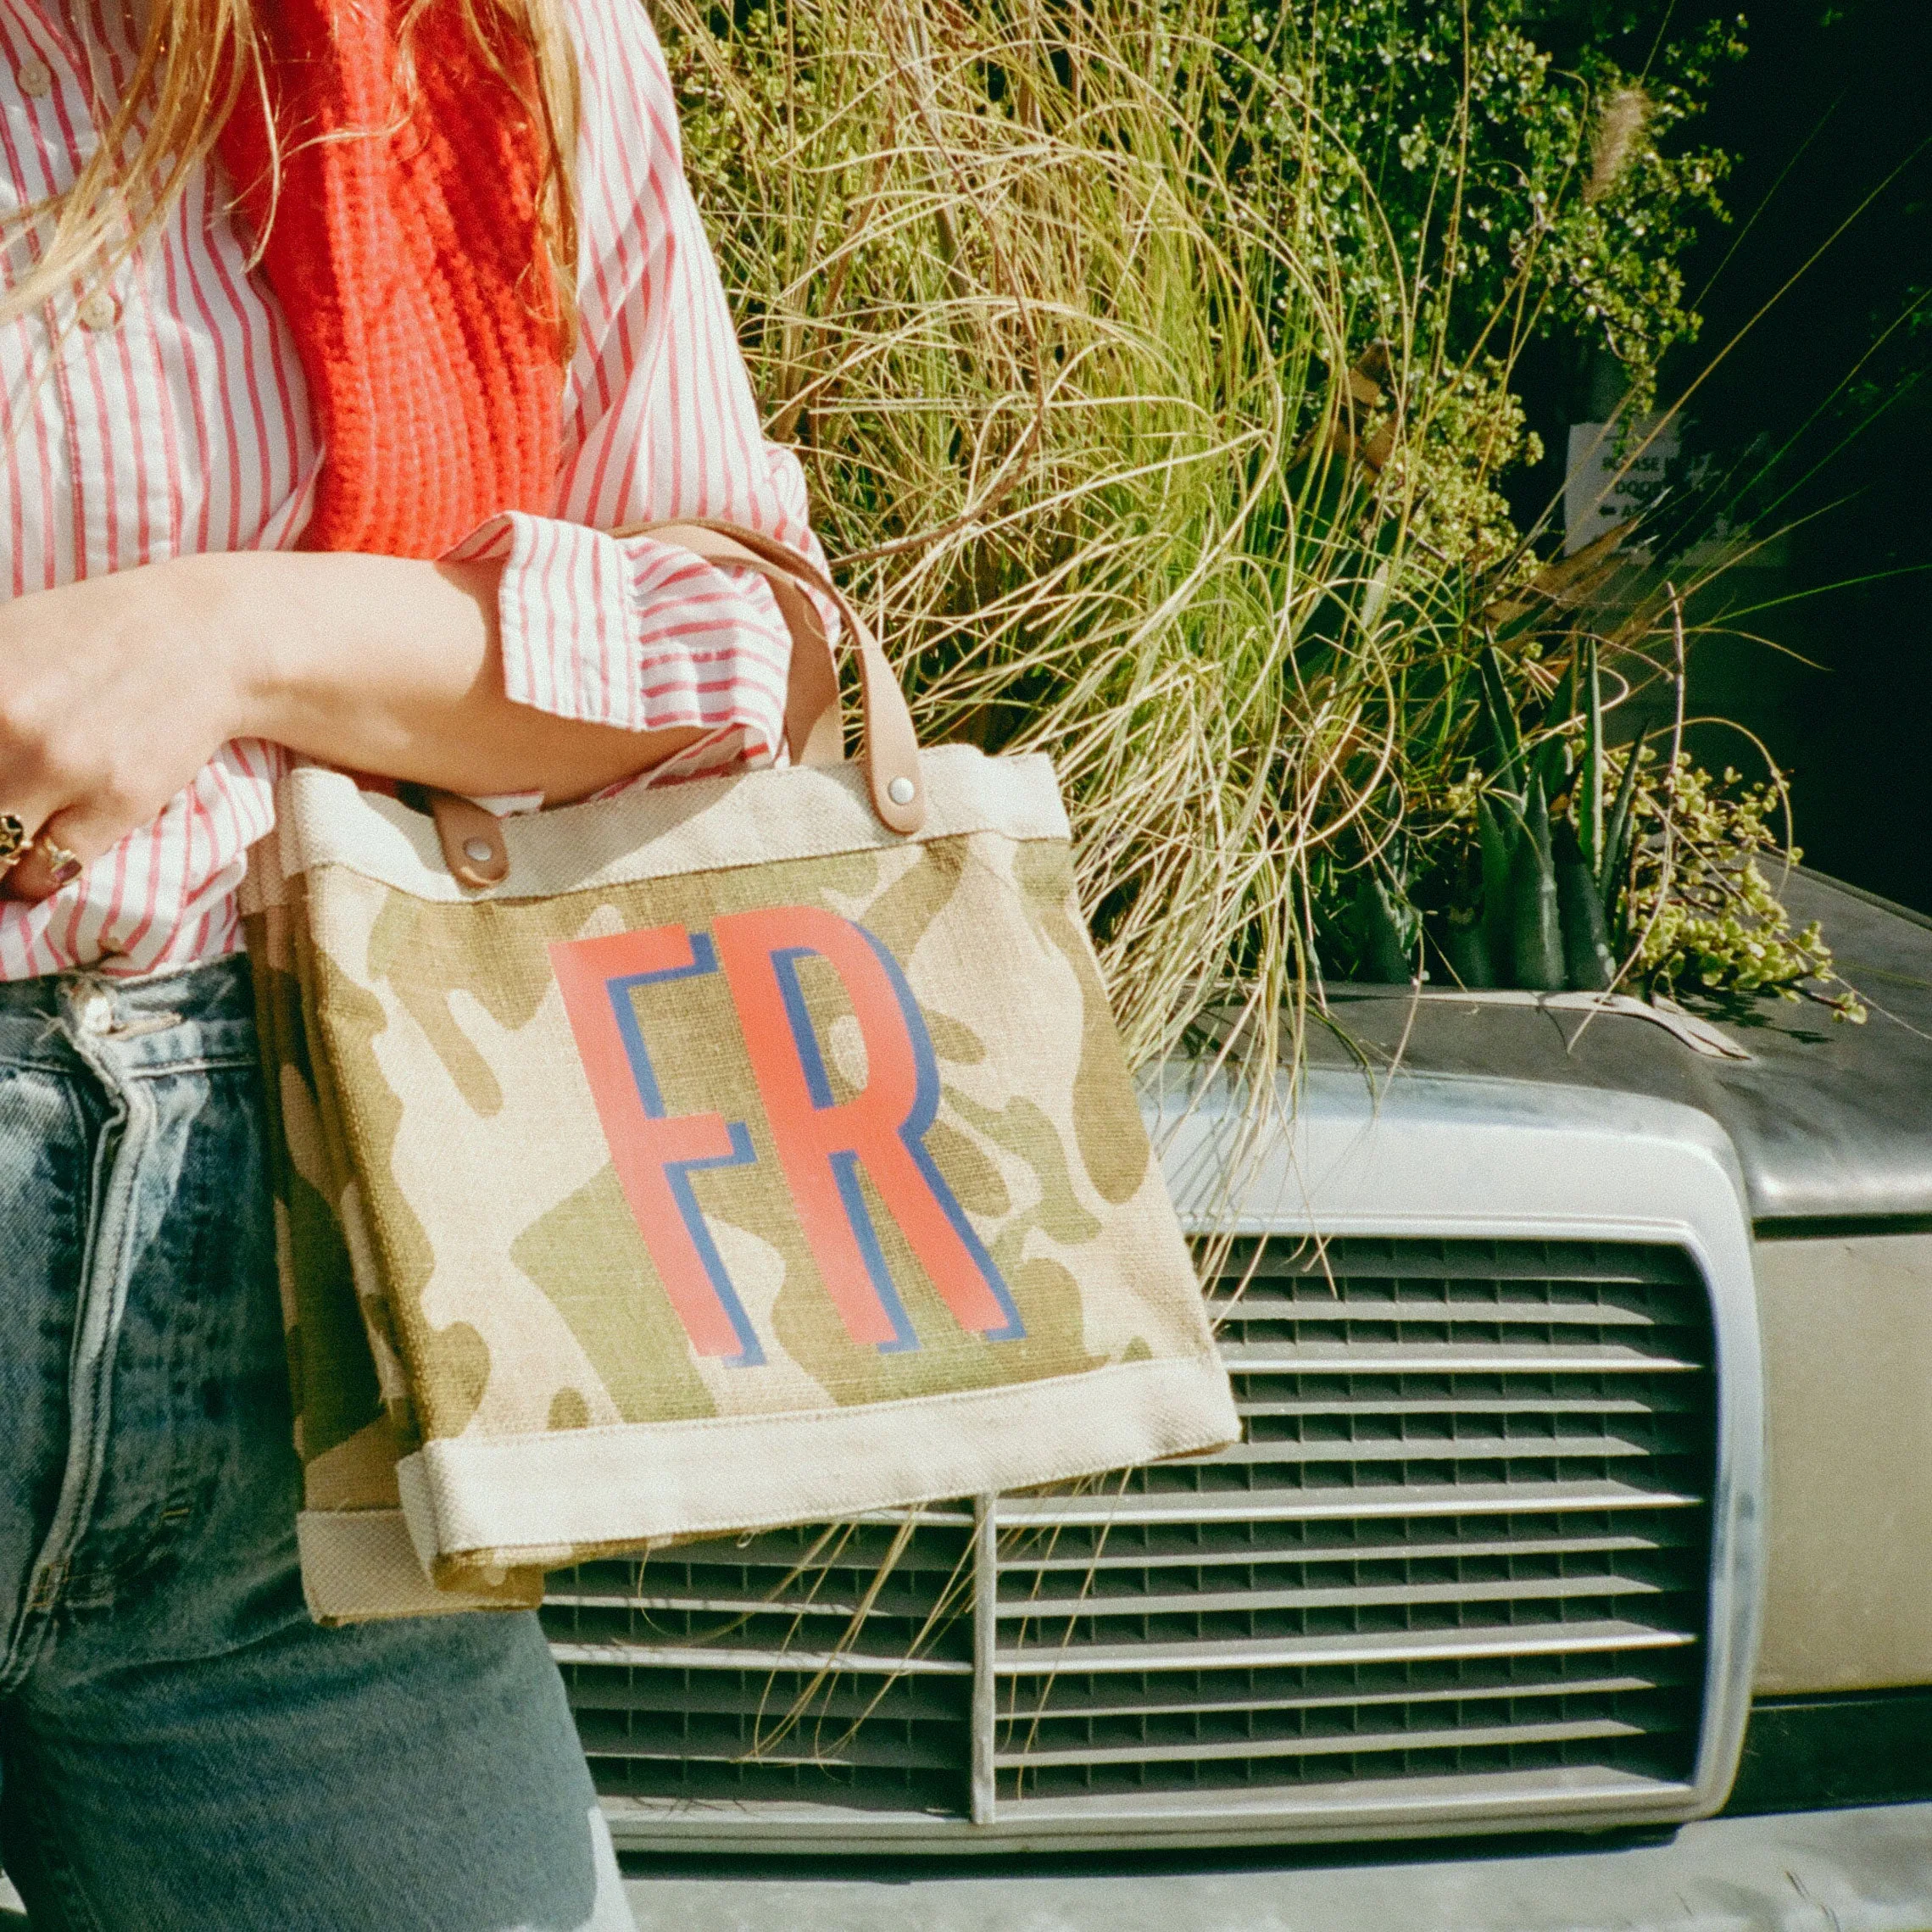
point(822, 1143)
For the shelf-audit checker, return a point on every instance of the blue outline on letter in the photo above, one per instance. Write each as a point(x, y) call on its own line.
point(678, 1174)
point(912, 1133)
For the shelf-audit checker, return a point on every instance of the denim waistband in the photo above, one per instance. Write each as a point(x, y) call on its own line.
point(168, 1021)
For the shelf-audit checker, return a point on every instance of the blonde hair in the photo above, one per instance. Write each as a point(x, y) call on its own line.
point(198, 60)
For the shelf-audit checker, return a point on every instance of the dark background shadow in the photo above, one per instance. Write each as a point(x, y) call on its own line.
point(1818, 433)
point(1821, 113)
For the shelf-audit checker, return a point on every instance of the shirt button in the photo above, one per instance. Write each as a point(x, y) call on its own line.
point(100, 311)
point(35, 79)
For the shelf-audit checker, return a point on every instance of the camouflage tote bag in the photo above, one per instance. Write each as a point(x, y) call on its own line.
point(723, 1155)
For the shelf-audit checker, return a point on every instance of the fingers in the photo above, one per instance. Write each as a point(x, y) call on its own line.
point(22, 814)
point(61, 851)
point(15, 838)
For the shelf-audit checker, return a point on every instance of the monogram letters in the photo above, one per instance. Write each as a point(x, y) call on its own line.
point(822, 1144)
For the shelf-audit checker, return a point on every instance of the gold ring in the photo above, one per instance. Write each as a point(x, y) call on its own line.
point(64, 866)
point(14, 844)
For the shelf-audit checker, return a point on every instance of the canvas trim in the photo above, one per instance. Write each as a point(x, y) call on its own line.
point(752, 818)
point(635, 1482)
point(359, 1564)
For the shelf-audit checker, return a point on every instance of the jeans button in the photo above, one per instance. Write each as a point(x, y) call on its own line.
point(96, 1013)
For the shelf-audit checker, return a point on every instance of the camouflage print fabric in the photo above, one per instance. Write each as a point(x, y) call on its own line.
point(357, 1562)
point(737, 1161)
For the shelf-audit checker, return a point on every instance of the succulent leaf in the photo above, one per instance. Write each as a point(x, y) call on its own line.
point(1537, 925)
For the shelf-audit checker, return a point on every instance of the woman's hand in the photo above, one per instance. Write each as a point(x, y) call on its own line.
point(106, 711)
point(115, 691)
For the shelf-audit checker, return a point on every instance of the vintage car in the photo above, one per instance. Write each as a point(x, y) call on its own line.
point(1586, 1482)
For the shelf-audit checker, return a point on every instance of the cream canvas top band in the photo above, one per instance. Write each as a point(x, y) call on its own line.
point(704, 825)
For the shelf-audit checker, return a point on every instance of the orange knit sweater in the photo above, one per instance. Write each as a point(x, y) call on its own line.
point(411, 267)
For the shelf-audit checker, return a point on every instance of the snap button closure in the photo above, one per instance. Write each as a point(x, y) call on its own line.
point(480, 851)
point(900, 791)
point(35, 79)
point(96, 1013)
point(100, 311)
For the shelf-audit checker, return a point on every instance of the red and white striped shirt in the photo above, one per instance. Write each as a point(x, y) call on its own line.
point(165, 413)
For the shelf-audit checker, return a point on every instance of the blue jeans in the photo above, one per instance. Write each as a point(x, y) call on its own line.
point(181, 1749)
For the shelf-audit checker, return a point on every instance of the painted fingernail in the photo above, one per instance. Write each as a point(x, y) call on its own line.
point(67, 872)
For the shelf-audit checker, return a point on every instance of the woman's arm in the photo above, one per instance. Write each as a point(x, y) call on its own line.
point(554, 657)
point(660, 425)
point(115, 691)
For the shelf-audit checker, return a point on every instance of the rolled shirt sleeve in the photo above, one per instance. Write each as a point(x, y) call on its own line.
point(658, 423)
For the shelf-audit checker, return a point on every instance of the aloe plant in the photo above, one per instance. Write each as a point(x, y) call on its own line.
point(1552, 847)
point(1390, 932)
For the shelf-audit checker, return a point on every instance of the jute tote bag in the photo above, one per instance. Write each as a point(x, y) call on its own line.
point(726, 1153)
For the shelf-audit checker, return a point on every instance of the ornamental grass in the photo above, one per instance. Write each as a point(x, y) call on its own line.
point(1129, 465)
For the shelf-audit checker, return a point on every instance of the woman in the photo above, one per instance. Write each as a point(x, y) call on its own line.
point(336, 340)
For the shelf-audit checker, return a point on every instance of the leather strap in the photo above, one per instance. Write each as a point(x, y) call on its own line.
point(813, 727)
point(472, 839)
point(889, 749)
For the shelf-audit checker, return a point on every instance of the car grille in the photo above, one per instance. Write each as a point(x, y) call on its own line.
point(1463, 1545)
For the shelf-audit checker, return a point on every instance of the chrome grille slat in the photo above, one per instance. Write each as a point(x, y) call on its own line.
point(1337, 1745)
point(1302, 1554)
point(1343, 1790)
point(1054, 1706)
point(706, 1656)
point(1208, 1603)
point(850, 1746)
point(1369, 1647)
point(1284, 1505)
point(1574, 1407)
point(766, 1695)
point(1445, 1358)
point(1426, 1449)
point(1370, 1260)
point(779, 1603)
point(1304, 1311)
point(1465, 1538)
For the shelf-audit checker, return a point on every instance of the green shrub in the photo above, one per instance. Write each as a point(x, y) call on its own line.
point(1496, 169)
point(1160, 434)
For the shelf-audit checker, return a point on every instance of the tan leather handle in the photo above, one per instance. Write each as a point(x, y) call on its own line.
point(890, 746)
point(472, 838)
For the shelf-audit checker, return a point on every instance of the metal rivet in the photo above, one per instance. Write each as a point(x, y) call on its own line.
point(36, 78)
point(100, 311)
point(479, 850)
point(901, 791)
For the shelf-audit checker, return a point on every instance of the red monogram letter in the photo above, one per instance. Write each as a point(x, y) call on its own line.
point(656, 1154)
point(823, 1144)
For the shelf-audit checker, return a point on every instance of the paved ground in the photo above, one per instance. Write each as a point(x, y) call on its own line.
point(1857, 1871)
point(1851, 1871)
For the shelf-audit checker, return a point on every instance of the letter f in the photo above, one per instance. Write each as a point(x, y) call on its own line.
point(655, 1153)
